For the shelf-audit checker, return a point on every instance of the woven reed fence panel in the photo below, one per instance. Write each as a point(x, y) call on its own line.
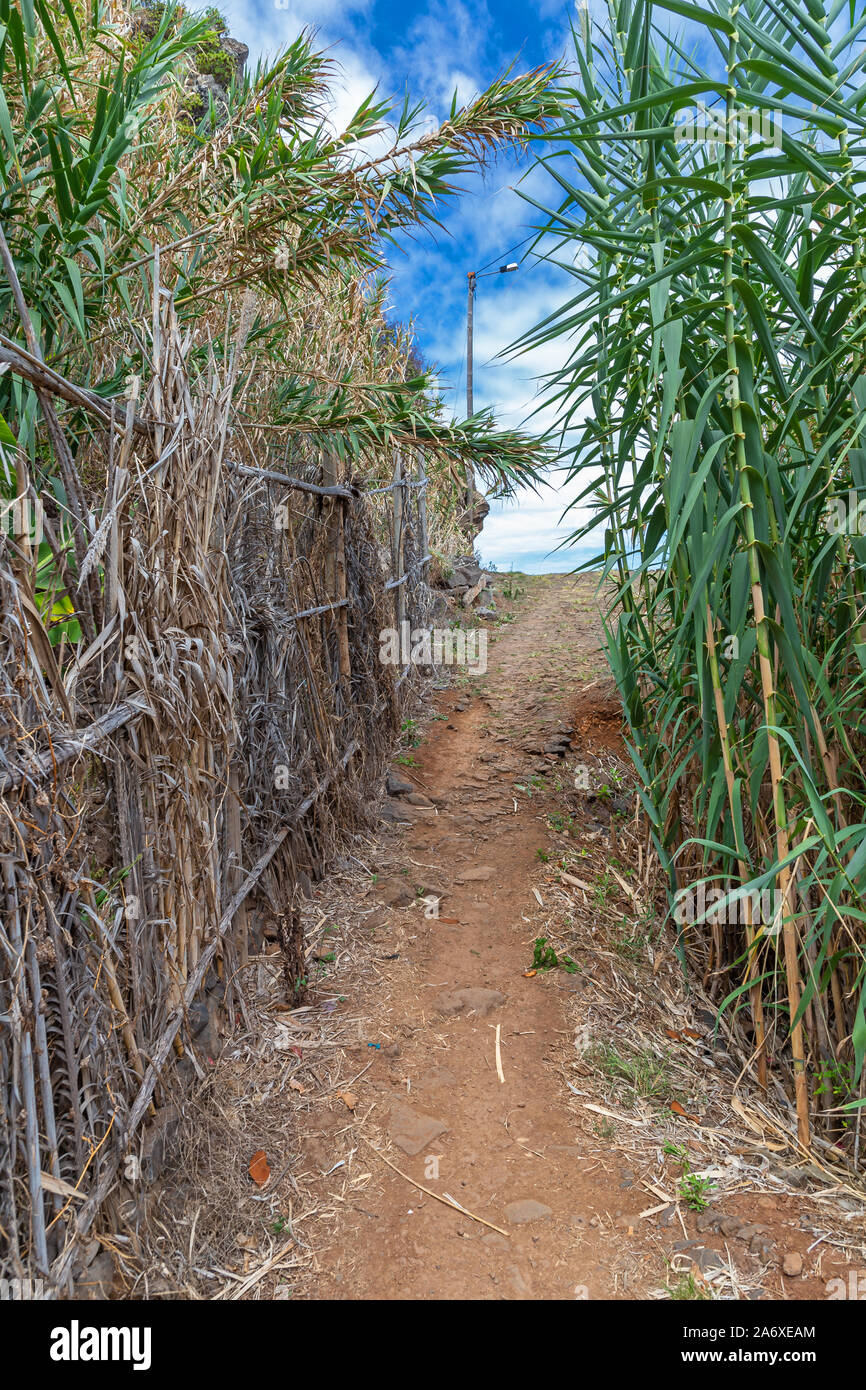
point(224, 718)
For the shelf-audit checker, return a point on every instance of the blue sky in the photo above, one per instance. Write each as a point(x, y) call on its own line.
point(436, 48)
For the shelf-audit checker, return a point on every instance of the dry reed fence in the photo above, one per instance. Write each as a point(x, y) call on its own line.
point(192, 707)
point(226, 712)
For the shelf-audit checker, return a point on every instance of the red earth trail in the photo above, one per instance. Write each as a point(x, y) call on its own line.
point(469, 1098)
point(506, 1150)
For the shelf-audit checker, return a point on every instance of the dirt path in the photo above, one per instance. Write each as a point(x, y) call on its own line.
point(577, 1177)
point(506, 1150)
point(621, 1154)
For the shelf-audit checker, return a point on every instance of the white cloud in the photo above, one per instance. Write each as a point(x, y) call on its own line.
point(438, 35)
point(352, 84)
point(525, 532)
point(266, 26)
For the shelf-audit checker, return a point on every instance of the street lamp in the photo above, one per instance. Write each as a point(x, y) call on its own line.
point(472, 276)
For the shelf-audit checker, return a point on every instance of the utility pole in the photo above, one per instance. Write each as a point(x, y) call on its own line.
point(472, 276)
point(470, 476)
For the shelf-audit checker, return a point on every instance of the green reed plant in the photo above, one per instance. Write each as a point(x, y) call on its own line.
point(712, 411)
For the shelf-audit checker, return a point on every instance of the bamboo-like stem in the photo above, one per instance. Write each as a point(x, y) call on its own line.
point(55, 433)
point(751, 966)
point(398, 537)
point(785, 879)
point(27, 1074)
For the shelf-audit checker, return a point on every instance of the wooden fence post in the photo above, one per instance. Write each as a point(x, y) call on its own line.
point(421, 471)
point(234, 850)
point(337, 565)
point(341, 506)
point(398, 539)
